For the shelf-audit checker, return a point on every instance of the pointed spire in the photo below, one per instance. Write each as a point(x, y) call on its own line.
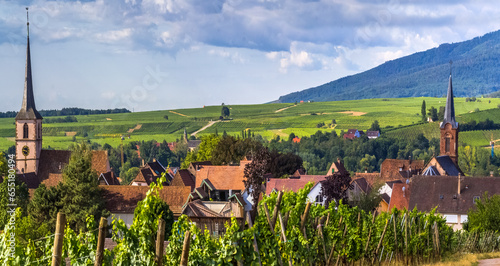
point(28, 110)
point(449, 111)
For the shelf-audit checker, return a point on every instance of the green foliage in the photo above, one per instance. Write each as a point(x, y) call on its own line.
point(45, 204)
point(19, 196)
point(81, 196)
point(344, 230)
point(484, 217)
point(136, 245)
point(128, 173)
point(423, 111)
point(367, 202)
point(433, 114)
point(225, 111)
point(375, 126)
point(230, 150)
point(204, 152)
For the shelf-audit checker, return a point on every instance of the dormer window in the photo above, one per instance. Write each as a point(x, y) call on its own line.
point(475, 199)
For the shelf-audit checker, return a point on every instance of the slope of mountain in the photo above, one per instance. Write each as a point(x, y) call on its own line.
point(476, 71)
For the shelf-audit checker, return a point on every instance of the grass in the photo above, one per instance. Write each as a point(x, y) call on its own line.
point(301, 119)
point(465, 259)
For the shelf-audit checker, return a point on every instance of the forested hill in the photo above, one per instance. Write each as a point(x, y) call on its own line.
point(476, 71)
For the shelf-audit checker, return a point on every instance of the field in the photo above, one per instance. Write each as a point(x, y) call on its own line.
point(268, 120)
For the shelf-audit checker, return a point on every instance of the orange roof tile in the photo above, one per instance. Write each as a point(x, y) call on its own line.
point(399, 198)
point(222, 177)
point(124, 199)
point(292, 184)
point(390, 168)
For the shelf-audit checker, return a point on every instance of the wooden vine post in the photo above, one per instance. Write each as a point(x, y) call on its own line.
point(185, 249)
point(304, 217)
point(160, 239)
point(58, 239)
point(276, 208)
point(99, 255)
point(380, 242)
point(255, 246)
point(395, 234)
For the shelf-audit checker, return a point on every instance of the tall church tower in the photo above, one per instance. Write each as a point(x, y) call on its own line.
point(28, 124)
point(449, 127)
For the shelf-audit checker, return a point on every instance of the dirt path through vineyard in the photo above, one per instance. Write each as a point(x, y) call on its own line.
point(489, 262)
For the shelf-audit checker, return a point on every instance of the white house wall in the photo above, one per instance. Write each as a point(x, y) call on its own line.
point(128, 218)
point(315, 191)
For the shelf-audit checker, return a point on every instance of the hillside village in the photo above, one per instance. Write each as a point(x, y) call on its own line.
point(212, 196)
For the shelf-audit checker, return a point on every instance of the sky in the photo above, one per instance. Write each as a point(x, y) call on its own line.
point(168, 54)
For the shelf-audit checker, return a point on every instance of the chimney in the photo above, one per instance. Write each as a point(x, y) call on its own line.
point(409, 160)
point(338, 159)
point(142, 163)
point(154, 160)
point(458, 184)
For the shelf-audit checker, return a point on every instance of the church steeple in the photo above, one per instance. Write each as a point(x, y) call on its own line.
point(28, 124)
point(449, 127)
point(28, 110)
point(449, 110)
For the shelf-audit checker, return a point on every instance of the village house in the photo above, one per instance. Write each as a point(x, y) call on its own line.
point(122, 200)
point(398, 169)
point(353, 133)
point(373, 134)
point(452, 196)
point(149, 173)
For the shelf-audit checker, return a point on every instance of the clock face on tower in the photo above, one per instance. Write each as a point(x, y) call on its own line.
point(26, 150)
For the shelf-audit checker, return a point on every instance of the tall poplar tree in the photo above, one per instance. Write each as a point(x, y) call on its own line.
point(423, 110)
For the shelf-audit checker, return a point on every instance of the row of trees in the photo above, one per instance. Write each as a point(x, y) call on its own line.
point(71, 111)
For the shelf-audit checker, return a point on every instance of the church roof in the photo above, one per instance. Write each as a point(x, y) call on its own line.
point(449, 110)
point(28, 110)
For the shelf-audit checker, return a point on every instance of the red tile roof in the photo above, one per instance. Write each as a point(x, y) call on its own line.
point(390, 168)
point(428, 192)
point(292, 184)
point(124, 199)
point(52, 163)
point(400, 198)
point(222, 177)
point(183, 178)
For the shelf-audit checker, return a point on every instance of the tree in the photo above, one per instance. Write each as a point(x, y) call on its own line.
point(375, 126)
point(225, 111)
point(368, 163)
point(81, 195)
point(433, 114)
point(21, 194)
point(335, 187)
point(368, 201)
point(204, 152)
point(423, 111)
point(231, 150)
point(485, 216)
point(467, 159)
point(441, 113)
point(254, 174)
point(45, 204)
point(282, 164)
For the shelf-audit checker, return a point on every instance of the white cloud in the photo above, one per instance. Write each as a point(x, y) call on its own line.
point(113, 36)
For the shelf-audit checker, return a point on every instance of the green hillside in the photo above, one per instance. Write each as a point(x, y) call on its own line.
point(268, 120)
point(476, 64)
